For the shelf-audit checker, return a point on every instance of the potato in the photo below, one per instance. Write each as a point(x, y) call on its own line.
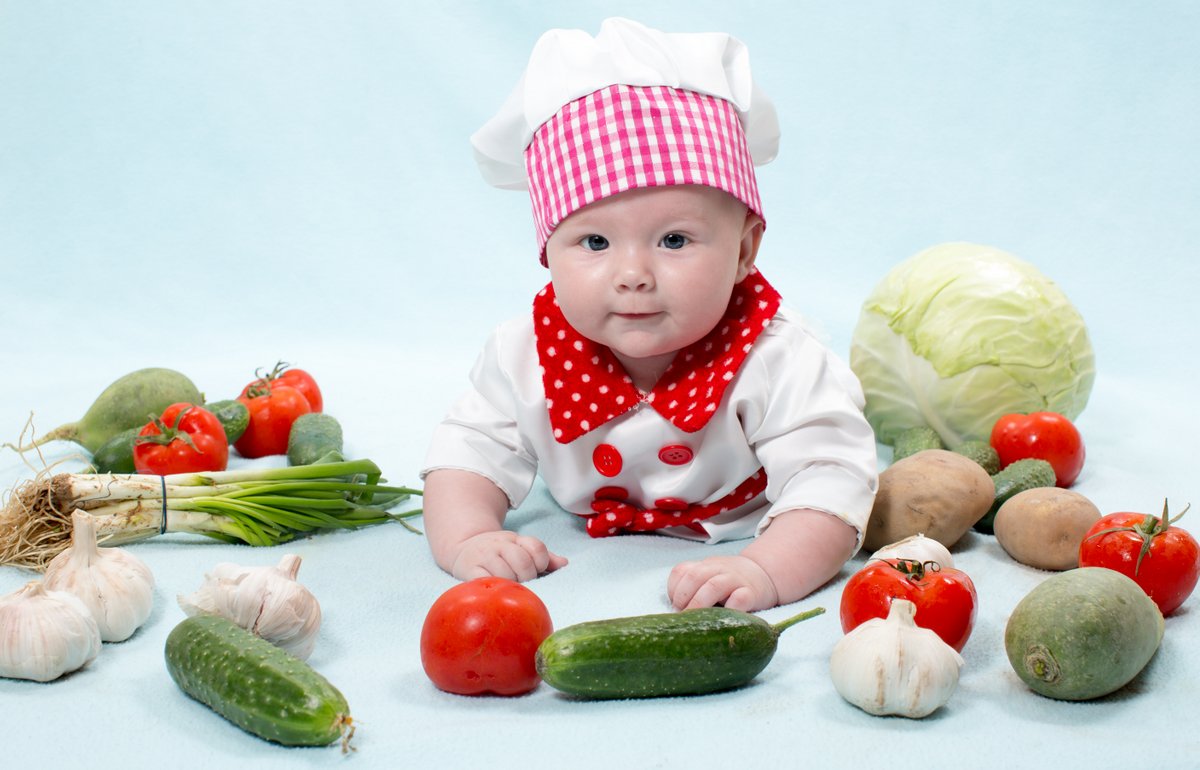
point(935, 492)
point(1043, 527)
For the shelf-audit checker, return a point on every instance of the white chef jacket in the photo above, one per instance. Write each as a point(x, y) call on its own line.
point(794, 409)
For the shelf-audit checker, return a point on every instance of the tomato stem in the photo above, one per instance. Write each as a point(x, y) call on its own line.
point(1149, 528)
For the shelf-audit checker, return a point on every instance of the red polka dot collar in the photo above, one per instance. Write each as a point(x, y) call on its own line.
point(586, 386)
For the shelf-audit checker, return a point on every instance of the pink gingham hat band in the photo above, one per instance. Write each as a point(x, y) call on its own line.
point(624, 137)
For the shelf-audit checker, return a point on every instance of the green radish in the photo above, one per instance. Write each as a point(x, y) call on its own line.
point(125, 404)
point(315, 437)
point(914, 440)
point(234, 417)
point(256, 685)
point(680, 653)
point(1082, 634)
point(1011, 480)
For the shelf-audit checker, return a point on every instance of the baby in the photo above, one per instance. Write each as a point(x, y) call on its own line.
point(657, 385)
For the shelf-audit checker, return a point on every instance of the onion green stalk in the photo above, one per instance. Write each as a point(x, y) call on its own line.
point(256, 506)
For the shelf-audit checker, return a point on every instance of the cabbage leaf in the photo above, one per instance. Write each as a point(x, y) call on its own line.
point(961, 334)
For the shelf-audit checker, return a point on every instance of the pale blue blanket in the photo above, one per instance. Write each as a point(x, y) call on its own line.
point(214, 187)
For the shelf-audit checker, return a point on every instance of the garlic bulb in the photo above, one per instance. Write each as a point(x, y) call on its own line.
point(45, 634)
point(266, 601)
point(893, 666)
point(116, 586)
point(918, 548)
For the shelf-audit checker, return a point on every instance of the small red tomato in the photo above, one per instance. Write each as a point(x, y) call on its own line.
point(480, 637)
point(299, 379)
point(945, 597)
point(1041, 436)
point(185, 439)
point(1160, 557)
point(272, 412)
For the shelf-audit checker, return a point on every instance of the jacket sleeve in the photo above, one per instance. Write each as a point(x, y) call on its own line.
point(807, 427)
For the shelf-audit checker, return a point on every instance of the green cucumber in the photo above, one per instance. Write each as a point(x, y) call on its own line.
point(914, 440)
point(1011, 480)
point(116, 454)
point(234, 417)
point(123, 405)
point(315, 438)
point(1082, 634)
point(254, 684)
point(680, 653)
point(981, 452)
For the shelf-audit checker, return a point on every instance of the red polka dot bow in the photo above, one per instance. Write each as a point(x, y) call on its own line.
point(613, 517)
point(586, 386)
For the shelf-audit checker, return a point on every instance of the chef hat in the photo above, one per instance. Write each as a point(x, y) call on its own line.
point(632, 107)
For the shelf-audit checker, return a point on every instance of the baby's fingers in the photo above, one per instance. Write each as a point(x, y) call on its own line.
point(542, 559)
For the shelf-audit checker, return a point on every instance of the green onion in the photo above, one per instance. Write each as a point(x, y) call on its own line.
point(256, 506)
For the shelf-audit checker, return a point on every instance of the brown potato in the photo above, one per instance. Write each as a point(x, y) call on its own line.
point(937, 493)
point(1043, 527)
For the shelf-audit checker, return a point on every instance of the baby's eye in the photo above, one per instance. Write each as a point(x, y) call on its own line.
point(674, 241)
point(595, 243)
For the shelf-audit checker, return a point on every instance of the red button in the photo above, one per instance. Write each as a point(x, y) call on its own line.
point(671, 504)
point(607, 460)
point(675, 454)
point(620, 494)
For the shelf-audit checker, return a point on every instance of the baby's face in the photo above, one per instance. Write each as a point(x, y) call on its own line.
point(649, 271)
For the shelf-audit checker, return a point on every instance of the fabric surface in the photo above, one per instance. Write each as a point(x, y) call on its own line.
point(213, 187)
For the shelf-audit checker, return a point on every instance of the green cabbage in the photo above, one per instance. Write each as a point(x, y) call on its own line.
point(959, 335)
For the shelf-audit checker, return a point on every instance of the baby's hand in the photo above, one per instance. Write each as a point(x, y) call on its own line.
point(738, 582)
point(504, 554)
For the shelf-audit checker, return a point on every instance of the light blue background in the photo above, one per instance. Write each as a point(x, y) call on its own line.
point(214, 186)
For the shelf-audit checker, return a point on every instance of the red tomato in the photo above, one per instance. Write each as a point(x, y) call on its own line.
point(480, 637)
point(272, 413)
point(1161, 558)
point(945, 598)
point(1041, 436)
point(185, 439)
point(293, 378)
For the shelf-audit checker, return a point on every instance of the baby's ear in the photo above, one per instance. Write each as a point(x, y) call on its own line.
point(752, 232)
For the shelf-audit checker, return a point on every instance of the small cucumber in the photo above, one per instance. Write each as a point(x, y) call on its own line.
point(646, 656)
point(116, 455)
point(1013, 479)
point(981, 452)
point(1082, 634)
point(315, 438)
point(914, 440)
point(234, 417)
point(254, 684)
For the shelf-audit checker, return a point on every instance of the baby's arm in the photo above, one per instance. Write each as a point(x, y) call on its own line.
point(795, 555)
point(464, 523)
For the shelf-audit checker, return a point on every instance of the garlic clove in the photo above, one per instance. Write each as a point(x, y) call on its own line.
point(892, 666)
point(115, 586)
point(45, 634)
point(918, 548)
point(268, 601)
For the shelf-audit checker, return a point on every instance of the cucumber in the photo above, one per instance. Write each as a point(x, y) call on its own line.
point(125, 404)
point(981, 452)
point(315, 437)
point(1013, 479)
point(914, 440)
point(1082, 634)
point(680, 653)
point(254, 684)
point(116, 454)
point(234, 417)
